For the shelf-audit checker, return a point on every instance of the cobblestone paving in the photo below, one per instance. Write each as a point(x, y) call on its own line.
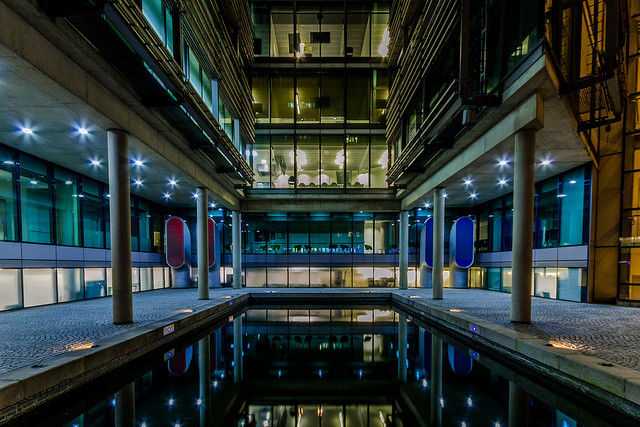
point(33, 334)
point(605, 331)
point(30, 335)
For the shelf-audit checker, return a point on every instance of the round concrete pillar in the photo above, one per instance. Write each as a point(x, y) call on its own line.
point(202, 228)
point(438, 242)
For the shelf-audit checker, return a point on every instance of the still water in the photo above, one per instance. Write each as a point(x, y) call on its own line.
point(329, 368)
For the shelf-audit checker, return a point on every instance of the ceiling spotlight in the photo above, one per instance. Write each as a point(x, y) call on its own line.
point(172, 182)
point(467, 182)
point(27, 131)
point(427, 205)
point(166, 195)
point(473, 195)
point(502, 182)
point(68, 182)
point(254, 153)
point(83, 131)
point(502, 162)
point(138, 182)
point(8, 162)
point(444, 195)
point(34, 182)
point(195, 195)
point(573, 181)
point(138, 162)
point(213, 205)
point(546, 162)
point(95, 162)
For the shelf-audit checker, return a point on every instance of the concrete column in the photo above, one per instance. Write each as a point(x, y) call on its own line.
point(236, 238)
point(523, 204)
point(518, 406)
point(120, 213)
point(202, 230)
point(436, 381)
point(126, 406)
point(402, 347)
point(404, 248)
point(438, 242)
point(204, 370)
point(237, 350)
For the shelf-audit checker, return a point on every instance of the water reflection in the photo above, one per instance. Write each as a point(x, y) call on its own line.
point(342, 368)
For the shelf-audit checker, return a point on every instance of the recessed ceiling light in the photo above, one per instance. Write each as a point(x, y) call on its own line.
point(561, 195)
point(254, 153)
point(27, 131)
point(546, 162)
point(573, 181)
point(467, 182)
point(95, 162)
point(213, 205)
point(195, 195)
point(502, 162)
point(502, 182)
point(83, 131)
point(427, 205)
point(9, 162)
point(138, 182)
point(172, 182)
point(138, 162)
point(444, 195)
point(34, 182)
point(68, 182)
point(166, 195)
point(263, 161)
point(473, 195)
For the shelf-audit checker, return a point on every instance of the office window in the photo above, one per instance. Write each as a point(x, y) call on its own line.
point(331, 101)
point(341, 233)
point(299, 233)
point(95, 283)
point(332, 161)
point(160, 19)
point(319, 277)
point(257, 235)
point(135, 225)
point(158, 278)
point(283, 41)
point(572, 204)
point(308, 161)
point(379, 161)
point(521, 30)
point(493, 279)
point(107, 213)
point(277, 229)
point(320, 235)
point(358, 96)
point(282, 97)
point(260, 92)
point(380, 88)
point(39, 285)
point(8, 197)
point(363, 232)
point(547, 221)
point(261, 29)
point(135, 279)
point(157, 229)
point(93, 221)
point(10, 289)
point(358, 161)
point(70, 284)
point(385, 239)
point(256, 277)
point(332, 30)
point(146, 279)
point(379, 35)
point(67, 208)
point(282, 162)
point(261, 162)
point(299, 277)
point(307, 31)
point(35, 201)
point(307, 97)
point(358, 34)
point(277, 277)
point(144, 217)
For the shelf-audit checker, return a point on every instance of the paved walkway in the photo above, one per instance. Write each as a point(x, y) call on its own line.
point(30, 335)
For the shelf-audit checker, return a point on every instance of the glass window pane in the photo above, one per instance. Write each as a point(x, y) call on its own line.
point(195, 72)
point(70, 284)
point(39, 286)
point(8, 198)
point(257, 234)
point(521, 32)
point(282, 161)
point(67, 208)
point(571, 284)
point(135, 279)
point(358, 161)
point(358, 34)
point(261, 161)
point(282, 99)
point(319, 277)
point(362, 277)
point(545, 282)
point(260, 91)
point(35, 196)
point(379, 162)
point(308, 161)
point(277, 229)
point(341, 277)
point(380, 84)
point(299, 277)
point(331, 101)
point(332, 33)
point(282, 40)
point(261, 29)
point(153, 11)
point(143, 228)
point(308, 29)
point(332, 161)
point(572, 203)
point(341, 233)
point(135, 226)
point(10, 295)
point(385, 238)
point(379, 35)
point(493, 279)
point(299, 233)
point(146, 279)
point(320, 227)
point(277, 277)
point(307, 98)
point(157, 227)
point(95, 284)
point(358, 96)
point(256, 277)
point(158, 277)
point(547, 221)
point(93, 221)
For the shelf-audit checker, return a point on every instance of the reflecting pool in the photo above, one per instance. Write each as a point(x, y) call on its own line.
point(325, 367)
